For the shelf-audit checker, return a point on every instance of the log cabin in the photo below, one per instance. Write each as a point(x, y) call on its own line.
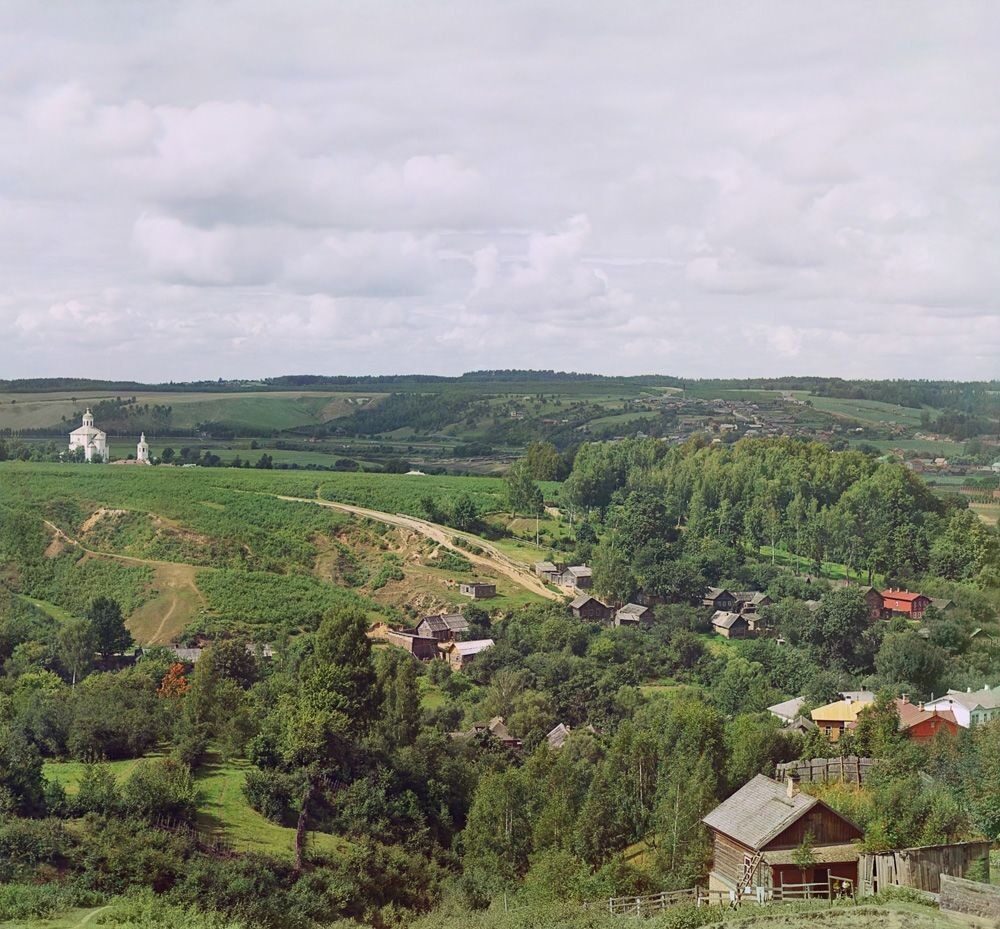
point(756, 834)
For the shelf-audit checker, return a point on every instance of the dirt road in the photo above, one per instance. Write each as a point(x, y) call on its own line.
point(491, 558)
point(177, 602)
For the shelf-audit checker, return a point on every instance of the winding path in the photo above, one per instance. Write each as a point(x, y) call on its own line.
point(492, 558)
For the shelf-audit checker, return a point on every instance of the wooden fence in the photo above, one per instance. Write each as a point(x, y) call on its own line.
point(848, 768)
point(652, 903)
point(921, 868)
point(206, 841)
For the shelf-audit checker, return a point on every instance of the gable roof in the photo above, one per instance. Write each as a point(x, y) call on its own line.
point(788, 709)
point(842, 711)
point(446, 622)
point(584, 599)
point(942, 603)
point(713, 593)
point(758, 812)
point(634, 609)
point(904, 595)
point(912, 714)
point(580, 571)
point(545, 567)
point(724, 620)
point(750, 596)
point(987, 698)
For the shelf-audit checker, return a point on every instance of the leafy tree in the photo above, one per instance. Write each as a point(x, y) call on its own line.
point(908, 661)
point(76, 647)
point(612, 576)
point(21, 782)
point(523, 494)
point(108, 625)
point(160, 787)
point(464, 514)
point(543, 461)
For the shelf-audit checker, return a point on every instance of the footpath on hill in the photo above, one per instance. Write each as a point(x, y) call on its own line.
point(491, 556)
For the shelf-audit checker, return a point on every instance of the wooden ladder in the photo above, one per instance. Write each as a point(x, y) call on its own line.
point(749, 869)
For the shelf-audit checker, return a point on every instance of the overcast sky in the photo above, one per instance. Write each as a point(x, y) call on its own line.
point(213, 189)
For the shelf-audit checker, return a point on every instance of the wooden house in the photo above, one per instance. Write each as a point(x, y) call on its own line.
point(478, 590)
point(730, 625)
point(905, 603)
point(756, 834)
point(720, 599)
point(633, 614)
point(834, 718)
point(444, 627)
point(459, 654)
point(587, 607)
point(495, 729)
point(750, 601)
point(920, 724)
point(579, 577)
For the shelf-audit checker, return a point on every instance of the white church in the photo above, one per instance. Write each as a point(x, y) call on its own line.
point(90, 439)
point(94, 442)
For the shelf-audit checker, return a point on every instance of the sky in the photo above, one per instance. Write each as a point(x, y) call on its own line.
point(730, 189)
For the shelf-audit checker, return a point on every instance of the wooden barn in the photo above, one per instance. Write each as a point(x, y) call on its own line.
point(756, 834)
point(420, 646)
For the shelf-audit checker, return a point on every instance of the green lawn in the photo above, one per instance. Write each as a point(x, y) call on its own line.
point(56, 612)
point(224, 810)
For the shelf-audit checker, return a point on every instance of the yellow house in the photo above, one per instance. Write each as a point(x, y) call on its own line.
point(835, 717)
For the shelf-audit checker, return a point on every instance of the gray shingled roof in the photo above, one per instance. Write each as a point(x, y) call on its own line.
point(582, 599)
point(453, 622)
point(723, 620)
point(758, 811)
point(634, 609)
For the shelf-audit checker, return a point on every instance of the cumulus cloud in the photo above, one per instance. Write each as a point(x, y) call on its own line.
point(373, 188)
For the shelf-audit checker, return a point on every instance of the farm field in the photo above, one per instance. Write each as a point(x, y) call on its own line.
point(258, 411)
point(870, 412)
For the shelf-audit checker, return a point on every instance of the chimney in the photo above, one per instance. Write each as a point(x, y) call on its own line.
point(968, 690)
point(792, 785)
point(905, 698)
point(848, 699)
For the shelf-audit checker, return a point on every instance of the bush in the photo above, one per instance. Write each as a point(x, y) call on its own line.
point(160, 788)
point(42, 901)
point(270, 794)
point(25, 844)
point(98, 792)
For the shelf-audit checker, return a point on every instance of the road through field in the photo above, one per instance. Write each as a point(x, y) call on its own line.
point(491, 558)
point(159, 620)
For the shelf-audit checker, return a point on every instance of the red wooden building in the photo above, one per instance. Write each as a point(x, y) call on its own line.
point(758, 830)
point(905, 603)
point(922, 725)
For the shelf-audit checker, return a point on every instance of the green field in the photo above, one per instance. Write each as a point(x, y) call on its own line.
point(258, 411)
point(223, 812)
point(868, 412)
point(215, 549)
